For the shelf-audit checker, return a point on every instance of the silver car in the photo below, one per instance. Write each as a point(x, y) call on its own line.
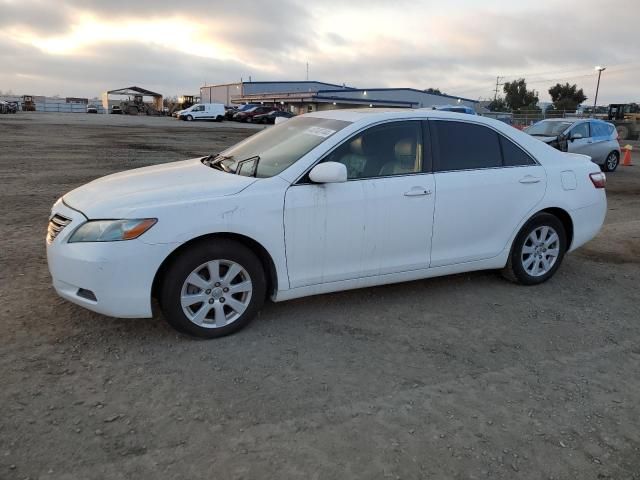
point(591, 137)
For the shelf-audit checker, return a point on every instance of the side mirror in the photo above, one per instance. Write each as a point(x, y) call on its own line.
point(328, 172)
point(576, 136)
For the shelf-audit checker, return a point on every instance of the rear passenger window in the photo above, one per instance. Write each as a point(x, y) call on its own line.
point(465, 146)
point(513, 155)
point(599, 129)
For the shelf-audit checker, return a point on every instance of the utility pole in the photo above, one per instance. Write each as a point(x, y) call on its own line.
point(307, 71)
point(498, 85)
point(599, 69)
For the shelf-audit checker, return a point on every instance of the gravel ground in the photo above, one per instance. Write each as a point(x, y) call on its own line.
point(461, 377)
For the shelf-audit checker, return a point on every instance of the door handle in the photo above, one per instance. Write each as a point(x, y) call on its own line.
point(530, 179)
point(417, 191)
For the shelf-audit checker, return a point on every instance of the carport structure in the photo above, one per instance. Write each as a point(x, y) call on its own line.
point(141, 96)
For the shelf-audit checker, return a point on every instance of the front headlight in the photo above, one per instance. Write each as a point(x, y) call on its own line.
point(111, 230)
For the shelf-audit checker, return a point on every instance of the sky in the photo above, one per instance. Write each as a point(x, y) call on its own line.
point(82, 48)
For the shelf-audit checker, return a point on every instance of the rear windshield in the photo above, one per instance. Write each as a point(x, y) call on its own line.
point(547, 129)
point(278, 147)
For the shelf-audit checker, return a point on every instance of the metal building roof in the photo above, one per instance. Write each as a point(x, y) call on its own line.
point(134, 91)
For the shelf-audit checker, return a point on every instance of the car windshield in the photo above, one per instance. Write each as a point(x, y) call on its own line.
point(278, 147)
point(547, 129)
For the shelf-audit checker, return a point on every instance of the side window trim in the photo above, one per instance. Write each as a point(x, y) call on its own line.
point(436, 160)
point(427, 156)
point(302, 179)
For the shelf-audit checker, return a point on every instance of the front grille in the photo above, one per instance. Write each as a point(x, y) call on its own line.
point(56, 225)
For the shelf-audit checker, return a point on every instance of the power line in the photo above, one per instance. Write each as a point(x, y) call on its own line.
point(611, 69)
point(552, 72)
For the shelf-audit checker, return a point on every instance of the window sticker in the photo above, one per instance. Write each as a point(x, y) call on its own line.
point(320, 132)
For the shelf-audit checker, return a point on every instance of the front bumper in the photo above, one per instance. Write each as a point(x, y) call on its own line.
point(119, 274)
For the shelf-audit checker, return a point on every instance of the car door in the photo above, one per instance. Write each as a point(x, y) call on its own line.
point(583, 145)
point(198, 111)
point(377, 222)
point(601, 138)
point(485, 186)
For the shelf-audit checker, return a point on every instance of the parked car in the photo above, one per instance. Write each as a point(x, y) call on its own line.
point(271, 116)
point(231, 111)
point(12, 107)
point(248, 114)
point(595, 138)
point(4, 107)
point(456, 108)
point(203, 111)
point(326, 201)
point(116, 109)
point(92, 109)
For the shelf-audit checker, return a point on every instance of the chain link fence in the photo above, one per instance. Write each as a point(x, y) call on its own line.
point(523, 118)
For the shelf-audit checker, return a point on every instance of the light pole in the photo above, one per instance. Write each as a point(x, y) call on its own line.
point(599, 69)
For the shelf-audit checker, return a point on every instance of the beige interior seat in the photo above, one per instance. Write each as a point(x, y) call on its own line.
point(407, 158)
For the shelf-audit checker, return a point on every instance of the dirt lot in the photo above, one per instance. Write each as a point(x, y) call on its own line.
point(462, 377)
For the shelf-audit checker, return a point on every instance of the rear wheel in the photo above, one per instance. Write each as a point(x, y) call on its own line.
point(213, 289)
point(611, 162)
point(537, 251)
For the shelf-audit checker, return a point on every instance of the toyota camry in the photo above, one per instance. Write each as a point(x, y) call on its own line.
point(323, 202)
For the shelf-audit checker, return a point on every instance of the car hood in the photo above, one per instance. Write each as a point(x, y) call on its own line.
point(546, 139)
point(124, 194)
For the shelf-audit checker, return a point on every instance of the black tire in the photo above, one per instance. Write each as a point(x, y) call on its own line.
point(188, 118)
point(611, 162)
point(219, 118)
point(623, 132)
point(189, 260)
point(515, 270)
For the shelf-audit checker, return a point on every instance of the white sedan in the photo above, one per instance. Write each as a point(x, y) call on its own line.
point(324, 202)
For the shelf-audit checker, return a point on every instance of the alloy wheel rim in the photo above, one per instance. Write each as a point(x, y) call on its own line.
point(612, 161)
point(540, 251)
point(216, 293)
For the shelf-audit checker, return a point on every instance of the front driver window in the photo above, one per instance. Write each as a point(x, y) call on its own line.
point(389, 149)
point(581, 129)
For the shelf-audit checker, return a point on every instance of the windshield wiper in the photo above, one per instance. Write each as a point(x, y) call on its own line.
point(240, 164)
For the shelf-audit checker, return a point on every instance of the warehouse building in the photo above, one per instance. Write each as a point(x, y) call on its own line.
point(310, 96)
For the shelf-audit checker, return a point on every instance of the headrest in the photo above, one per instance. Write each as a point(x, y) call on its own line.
point(356, 146)
point(405, 148)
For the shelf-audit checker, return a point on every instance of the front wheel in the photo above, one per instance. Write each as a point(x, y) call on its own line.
point(611, 162)
point(537, 251)
point(189, 118)
point(213, 289)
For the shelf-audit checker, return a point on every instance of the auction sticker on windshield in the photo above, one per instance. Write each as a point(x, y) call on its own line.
point(320, 132)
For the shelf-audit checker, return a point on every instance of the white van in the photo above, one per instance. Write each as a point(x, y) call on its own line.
point(203, 111)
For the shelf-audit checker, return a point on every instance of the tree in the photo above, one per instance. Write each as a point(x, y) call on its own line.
point(566, 97)
point(517, 97)
point(498, 105)
point(434, 91)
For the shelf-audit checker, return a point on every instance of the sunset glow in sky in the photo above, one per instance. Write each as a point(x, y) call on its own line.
point(84, 47)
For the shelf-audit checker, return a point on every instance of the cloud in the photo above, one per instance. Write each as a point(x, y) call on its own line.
point(83, 47)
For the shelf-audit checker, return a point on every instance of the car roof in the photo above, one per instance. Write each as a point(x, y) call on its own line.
point(566, 120)
point(375, 114)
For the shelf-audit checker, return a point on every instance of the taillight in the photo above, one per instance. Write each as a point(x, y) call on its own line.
point(598, 179)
